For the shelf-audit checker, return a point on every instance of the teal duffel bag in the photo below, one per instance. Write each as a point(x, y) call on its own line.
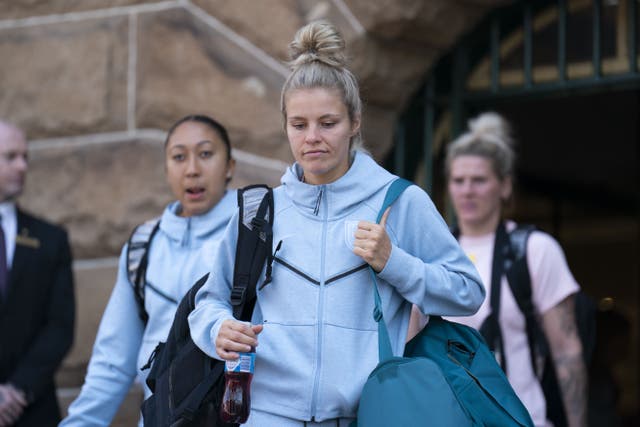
point(447, 377)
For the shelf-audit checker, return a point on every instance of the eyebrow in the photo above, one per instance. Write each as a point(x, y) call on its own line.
point(205, 141)
point(324, 116)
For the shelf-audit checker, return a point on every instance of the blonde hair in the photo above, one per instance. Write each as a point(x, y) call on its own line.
point(318, 61)
point(489, 136)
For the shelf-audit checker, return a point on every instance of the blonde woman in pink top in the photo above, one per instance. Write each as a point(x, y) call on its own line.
point(479, 169)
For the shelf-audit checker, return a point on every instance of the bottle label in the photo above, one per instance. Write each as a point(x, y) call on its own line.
point(245, 363)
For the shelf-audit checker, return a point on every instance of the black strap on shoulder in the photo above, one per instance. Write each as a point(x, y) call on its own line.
point(519, 279)
point(138, 260)
point(255, 240)
point(490, 328)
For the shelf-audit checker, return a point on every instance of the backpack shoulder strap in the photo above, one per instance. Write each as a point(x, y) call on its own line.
point(138, 258)
point(519, 278)
point(255, 239)
point(517, 268)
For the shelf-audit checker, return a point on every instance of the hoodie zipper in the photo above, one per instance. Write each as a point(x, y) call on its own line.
point(316, 209)
point(186, 237)
point(316, 381)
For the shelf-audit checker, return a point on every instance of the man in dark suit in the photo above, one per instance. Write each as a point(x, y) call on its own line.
point(37, 307)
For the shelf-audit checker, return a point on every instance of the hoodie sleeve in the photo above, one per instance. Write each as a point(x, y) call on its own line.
point(427, 266)
point(112, 367)
point(213, 304)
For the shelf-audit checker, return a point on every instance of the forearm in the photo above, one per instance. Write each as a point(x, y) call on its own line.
point(436, 288)
point(566, 350)
point(572, 380)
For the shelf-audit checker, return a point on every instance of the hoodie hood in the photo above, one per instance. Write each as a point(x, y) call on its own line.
point(363, 179)
point(199, 226)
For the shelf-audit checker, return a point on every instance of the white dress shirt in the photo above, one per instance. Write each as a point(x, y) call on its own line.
point(9, 224)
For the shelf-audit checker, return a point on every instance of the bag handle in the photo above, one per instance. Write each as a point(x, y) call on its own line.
point(394, 191)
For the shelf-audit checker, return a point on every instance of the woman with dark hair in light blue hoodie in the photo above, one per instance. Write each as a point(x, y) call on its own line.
point(199, 166)
point(315, 337)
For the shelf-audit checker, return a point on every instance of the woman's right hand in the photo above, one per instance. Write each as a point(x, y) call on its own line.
point(236, 337)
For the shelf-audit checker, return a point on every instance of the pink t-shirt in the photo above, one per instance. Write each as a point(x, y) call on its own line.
point(551, 282)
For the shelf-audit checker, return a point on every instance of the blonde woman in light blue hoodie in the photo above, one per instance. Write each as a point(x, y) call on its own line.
point(198, 166)
point(315, 336)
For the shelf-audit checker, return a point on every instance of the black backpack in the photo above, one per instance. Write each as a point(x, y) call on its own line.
point(187, 384)
point(510, 257)
point(137, 261)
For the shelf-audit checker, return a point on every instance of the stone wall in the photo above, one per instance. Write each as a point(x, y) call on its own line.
point(95, 84)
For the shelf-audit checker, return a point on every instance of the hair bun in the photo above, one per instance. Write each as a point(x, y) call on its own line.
point(491, 125)
point(317, 41)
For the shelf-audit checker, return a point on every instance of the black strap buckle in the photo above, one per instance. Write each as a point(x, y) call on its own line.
point(238, 295)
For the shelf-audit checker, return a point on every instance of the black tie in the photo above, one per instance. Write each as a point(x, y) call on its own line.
point(4, 271)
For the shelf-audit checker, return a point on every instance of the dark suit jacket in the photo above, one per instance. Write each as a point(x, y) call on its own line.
point(37, 317)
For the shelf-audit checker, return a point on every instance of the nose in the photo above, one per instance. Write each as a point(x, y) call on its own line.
point(466, 187)
point(312, 134)
point(21, 163)
point(193, 167)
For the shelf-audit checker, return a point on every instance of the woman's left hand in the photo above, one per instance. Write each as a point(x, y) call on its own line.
point(372, 243)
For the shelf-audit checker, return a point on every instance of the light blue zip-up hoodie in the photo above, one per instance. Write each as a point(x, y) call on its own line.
point(181, 252)
point(320, 341)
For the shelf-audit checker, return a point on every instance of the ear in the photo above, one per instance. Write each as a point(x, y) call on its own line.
point(506, 188)
point(355, 125)
point(231, 168)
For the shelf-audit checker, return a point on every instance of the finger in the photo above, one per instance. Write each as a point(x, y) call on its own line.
point(227, 355)
point(239, 343)
point(4, 419)
point(240, 340)
point(257, 328)
point(360, 234)
point(385, 215)
point(229, 348)
point(239, 331)
point(365, 225)
point(362, 253)
point(12, 411)
point(17, 396)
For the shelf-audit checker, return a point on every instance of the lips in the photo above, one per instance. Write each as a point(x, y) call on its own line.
point(314, 153)
point(195, 192)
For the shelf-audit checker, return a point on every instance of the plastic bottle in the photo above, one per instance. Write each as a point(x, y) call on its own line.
point(236, 400)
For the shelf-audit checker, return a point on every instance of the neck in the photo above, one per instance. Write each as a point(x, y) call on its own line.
point(480, 229)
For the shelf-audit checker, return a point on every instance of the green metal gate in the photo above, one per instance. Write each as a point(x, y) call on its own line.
point(529, 49)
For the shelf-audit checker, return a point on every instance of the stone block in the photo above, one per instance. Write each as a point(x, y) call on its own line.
point(98, 191)
point(383, 83)
point(330, 11)
point(269, 24)
point(377, 124)
point(94, 282)
point(252, 169)
point(12, 9)
point(65, 79)
point(434, 23)
point(186, 65)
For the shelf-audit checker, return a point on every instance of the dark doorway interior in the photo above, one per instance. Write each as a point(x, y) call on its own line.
point(577, 178)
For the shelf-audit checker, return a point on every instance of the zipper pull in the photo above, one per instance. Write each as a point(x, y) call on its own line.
point(268, 279)
point(316, 209)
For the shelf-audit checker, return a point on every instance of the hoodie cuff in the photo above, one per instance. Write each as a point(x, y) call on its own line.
point(398, 269)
